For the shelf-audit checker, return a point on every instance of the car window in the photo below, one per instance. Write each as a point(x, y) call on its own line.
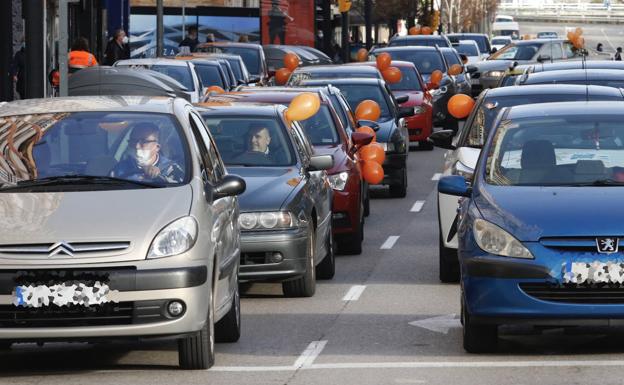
point(356, 93)
point(467, 49)
point(425, 61)
point(203, 142)
point(419, 42)
point(556, 150)
point(236, 68)
point(553, 50)
point(251, 57)
point(500, 41)
point(250, 140)
point(568, 50)
point(516, 52)
point(180, 73)
point(209, 75)
point(451, 58)
point(302, 144)
point(409, 80)
point(320, 128)
point(98, 144)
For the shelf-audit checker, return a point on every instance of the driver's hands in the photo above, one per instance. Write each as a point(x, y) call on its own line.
point(152, 171)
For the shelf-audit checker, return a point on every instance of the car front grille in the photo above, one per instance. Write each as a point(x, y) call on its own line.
point(578, 244)
point(603, 294)
point(61, 250)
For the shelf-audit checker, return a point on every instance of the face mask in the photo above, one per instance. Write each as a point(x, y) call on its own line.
point(125, 40)
point(142, 157)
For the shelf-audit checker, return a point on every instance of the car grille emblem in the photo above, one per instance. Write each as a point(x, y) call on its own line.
point(607, 245)
point(60, 248)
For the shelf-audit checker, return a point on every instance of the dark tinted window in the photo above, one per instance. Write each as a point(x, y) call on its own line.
point(251, 57)
point(356, 93)
point(451, 57)
point(409, 81)
point(425, 61)
point(320, 128)
point(236, 68)
point(432, 42)
point(516, 52)
point(209, 75)
point(468, 49)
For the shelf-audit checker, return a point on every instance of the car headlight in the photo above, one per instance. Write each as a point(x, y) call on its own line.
point(175, 238)
point(461, 169)
point(338, 181)
point(270, 220)
point(419, 110)
point(494, 74)
point(387, 146)
point(495, 240)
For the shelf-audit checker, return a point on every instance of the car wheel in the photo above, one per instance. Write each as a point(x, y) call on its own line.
point(478, 338)
point(228, 329)
point(400, 190)
point(425, 145)
point(327, 268)
point(197, 351)
point(352, 244)
point(304, 286)
point(367, 203)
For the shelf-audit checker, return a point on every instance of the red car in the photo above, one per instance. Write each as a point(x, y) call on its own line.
point(419, 125)
point(329, 137)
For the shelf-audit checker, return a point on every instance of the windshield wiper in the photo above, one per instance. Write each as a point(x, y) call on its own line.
point(75, 179)
point(598, 182)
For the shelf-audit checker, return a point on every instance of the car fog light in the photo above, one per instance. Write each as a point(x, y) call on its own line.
point(175, 308)
point(277, 257)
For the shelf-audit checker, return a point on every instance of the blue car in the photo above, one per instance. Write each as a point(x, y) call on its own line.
point(540, 226)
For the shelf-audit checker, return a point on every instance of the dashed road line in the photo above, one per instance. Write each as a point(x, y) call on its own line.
point(436, 176)
point(354, 293)
point(306, 359)
point(417, 206)
point(389, 243)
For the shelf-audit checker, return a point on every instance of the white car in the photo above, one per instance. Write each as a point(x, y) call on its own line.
point(499, 42)
point(470, 48)
point(180, 70)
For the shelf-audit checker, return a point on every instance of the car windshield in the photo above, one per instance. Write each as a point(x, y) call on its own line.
point(236, 68)
point(209, 75)
point(94, 148)
point(490, 107)
point(557, 150)
point(320, 128)
point(250, 141)
point(468, 49)
point(451, 57)
point(409, 81)
point(427, 42)
point(425, 61)
point(251, 57)
point(500, 41)
point(180, 73)
point(516, 52)
point(356, 93)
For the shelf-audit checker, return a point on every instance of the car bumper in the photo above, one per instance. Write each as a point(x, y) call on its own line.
point(393, 168)
point(258, 249)
point(346, 207)
point(419, 126)
point(138, 306)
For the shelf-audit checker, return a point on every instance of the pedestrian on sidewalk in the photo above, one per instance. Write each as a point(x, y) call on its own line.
point(117, 48)
point(618, 54)
point(80, 57)
point(599, 47)
point(191, 39)
point(18, 68)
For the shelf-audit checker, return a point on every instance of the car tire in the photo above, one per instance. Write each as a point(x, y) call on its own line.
point(197, 350)
point(228, 329)
point(400, 190)
point(366, 200)
point(352, 244)
point(425, 145)
point(478, 338)
point(304, 286)
point(327, 268)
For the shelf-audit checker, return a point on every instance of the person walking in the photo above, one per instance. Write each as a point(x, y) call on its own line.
point(277, 23)
point(618, 54)
point(191, 39)
point(599, 47)
point(18, 68)
point(80, 57)
point(117, 48)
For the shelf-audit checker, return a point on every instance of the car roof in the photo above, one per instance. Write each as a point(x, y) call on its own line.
point(153, 61)
point(420, 37)
point(566, 109)
point(502, 37)
point(406, 48)
point(268, 96)
point(577, 64)
point(151, 104)
point(237, 109)
point(393, 63)
point(540, 41)
point(333, 68)
point(576, 74)
point(540, 89)
point(468, 34)
point(363, 81)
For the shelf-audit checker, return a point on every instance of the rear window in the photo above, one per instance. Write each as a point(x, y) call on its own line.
point(440, 42)
point(451, 58)
point(425, 61)
point(409, 81)
point(251, 57)
point(320, 128)
point(180, 73)
point(356, 93)
point(467, 49)
point(209, 75)
point(500, 41)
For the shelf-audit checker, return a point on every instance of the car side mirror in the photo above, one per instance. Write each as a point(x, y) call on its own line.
point(230, 185)
point(368, 123)
point(442, 139)
point(454, 185)
point(361, 138)
point(471, 69)
point(493, 50)
point(402, 99)
point(321, 162)
point(543, 58)
point(463, 58)
point(405, 112)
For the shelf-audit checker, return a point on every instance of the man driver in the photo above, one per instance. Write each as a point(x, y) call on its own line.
point(258, 145)
point(145, 161)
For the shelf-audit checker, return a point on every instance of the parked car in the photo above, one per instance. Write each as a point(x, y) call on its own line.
point(420, 40)
point(252, 54)
point(286, 222)
point(547, 35)
point(461, 80)
point(336, 71)
point(482, 40)
point(275, 53)
point(392, 130)
point(212, 73)
point(323, 58)
point(114, 226)
point(328, 136)
point(236, 63)
point(598, 77)
point(499, 42)
point(470, 49)
point(464, 149)
point(539, 236)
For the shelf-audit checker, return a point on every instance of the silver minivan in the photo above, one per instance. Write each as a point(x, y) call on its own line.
point(118, 220)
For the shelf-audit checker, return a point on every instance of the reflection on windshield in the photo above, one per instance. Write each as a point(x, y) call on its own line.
point(128, 146)
point(425, 61)
point(355, 94)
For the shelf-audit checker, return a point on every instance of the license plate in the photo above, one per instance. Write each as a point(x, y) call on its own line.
point(62, 294)
point(593, 272)
point(474, 81)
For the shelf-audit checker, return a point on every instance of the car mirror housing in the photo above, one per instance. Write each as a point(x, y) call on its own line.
point(230, 185)
point(543, 58)
point(368, 123)
point(405, 112)
point(401, 99)
point(361, 138)
point(321, 162)
point(454, 185)
point(471, 69)
point(442, 139)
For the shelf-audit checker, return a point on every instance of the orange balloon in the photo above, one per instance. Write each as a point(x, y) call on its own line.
point(579, 42)
point(373, 152)
point(372, 172)
point(460, 105)
point(303, 106)
point(368, 130)
point(362, 54)
point(436, 77)
point(392, 75)
point(455, 69)
point(383, 61)
point(578, 31)
point(291, 61)
point(414, 31)
point(282, 75)
point(571, 35)
point(216, 89)
point(426, 30)
point(367, 110)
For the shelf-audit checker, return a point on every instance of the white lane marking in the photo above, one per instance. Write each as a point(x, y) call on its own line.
point(354, 293)
point(607, 37)
point(409, 381)
point(436, 176)
point(439, 324)
point(422, 365)
point(389, 243)
point(417, 206)
point(306, 359)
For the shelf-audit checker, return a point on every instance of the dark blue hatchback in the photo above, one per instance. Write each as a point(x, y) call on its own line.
point(540, 227)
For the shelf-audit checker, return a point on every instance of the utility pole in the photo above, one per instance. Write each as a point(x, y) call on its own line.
point(6, 46)
point(327, 27)
point(160, 28)
point(63, 54)
point(35, 45)
point(368, 5)
point(345, 37)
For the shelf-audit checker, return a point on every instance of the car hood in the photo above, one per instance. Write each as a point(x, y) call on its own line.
point(385, 130)
point(267, 187)
point(415, 97)
point(337, 152)
point(530, 213)
point(134, 216)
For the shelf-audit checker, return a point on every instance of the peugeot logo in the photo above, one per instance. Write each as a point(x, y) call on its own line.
point(60, 248)
point(607, 245)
